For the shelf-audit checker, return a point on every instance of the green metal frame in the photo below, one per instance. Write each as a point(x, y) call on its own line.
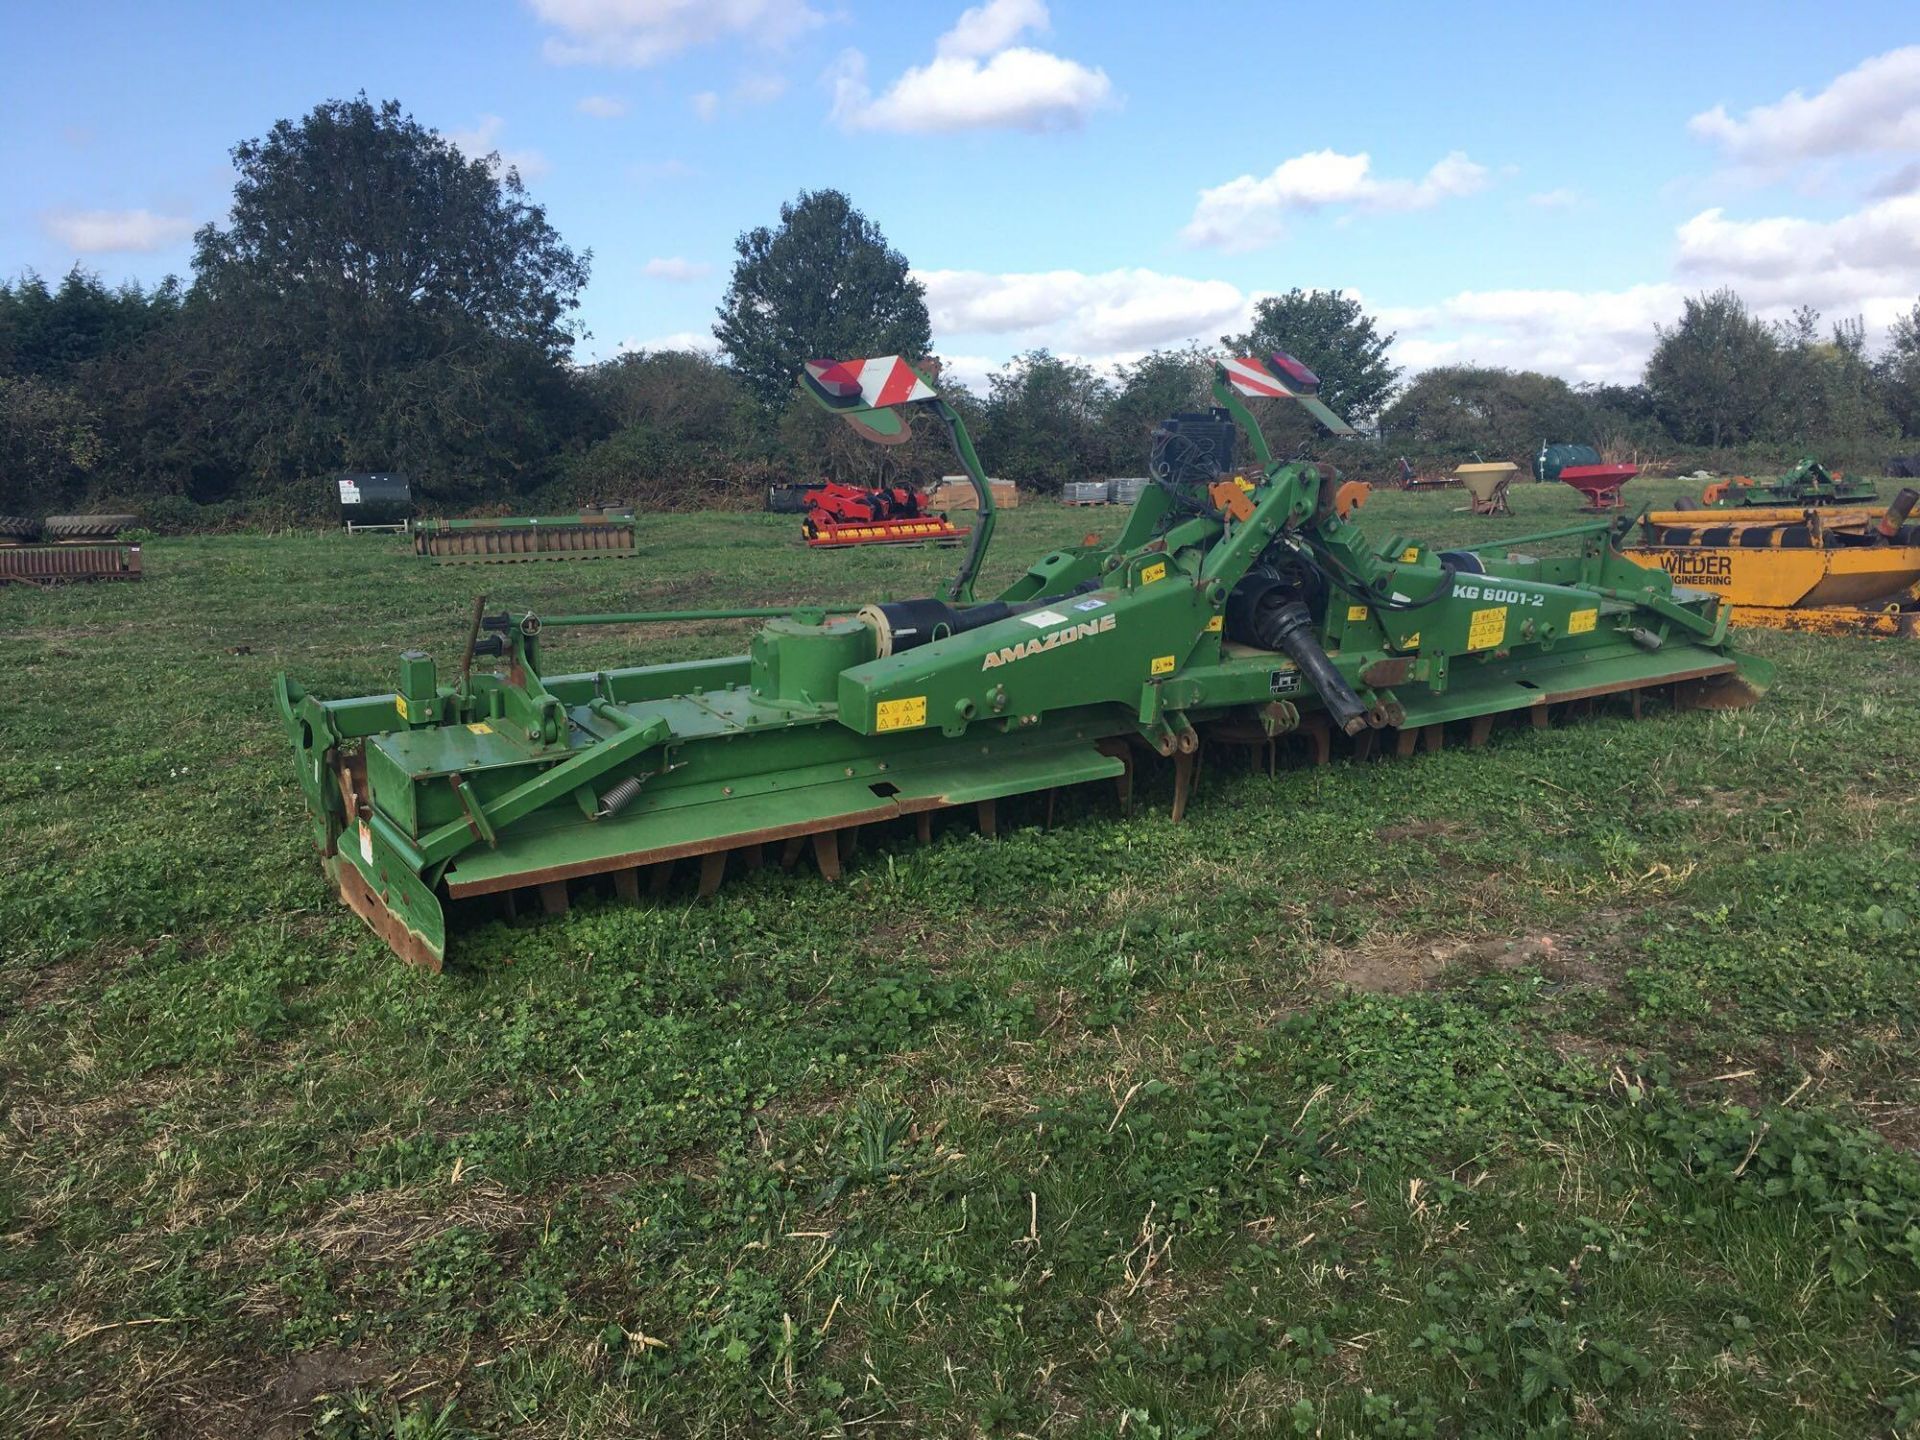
point(513, 777)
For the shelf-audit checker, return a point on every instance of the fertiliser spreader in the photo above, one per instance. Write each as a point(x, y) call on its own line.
point(1219, 611)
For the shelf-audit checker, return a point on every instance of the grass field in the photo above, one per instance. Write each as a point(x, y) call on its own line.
point(1564, 1087)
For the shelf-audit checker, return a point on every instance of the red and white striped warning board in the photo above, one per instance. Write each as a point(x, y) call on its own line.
point(885, 380)
point(1251, 377)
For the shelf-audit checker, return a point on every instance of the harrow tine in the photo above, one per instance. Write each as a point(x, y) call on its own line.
point(626, 885)
point(1433, 739)
point(826, 853)
point(553, 897)
point(1183, 768)
point(750, 856)
point(661, 878)
point(1479, 729)
point(713, 869)
point(790, 852)
point(989, 813)
point(923, 827)
point(1319, 735)
point(1405, 742)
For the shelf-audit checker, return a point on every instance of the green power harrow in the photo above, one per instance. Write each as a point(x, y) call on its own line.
point(1219, 613)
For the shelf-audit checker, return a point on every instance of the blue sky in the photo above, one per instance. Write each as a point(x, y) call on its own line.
point(1510, 184)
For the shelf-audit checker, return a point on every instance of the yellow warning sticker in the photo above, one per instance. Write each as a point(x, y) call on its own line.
point(1412, 642)
point(900, 714)
point(1163, 664)
point(1410, 554)
point(1356, 612)
point(400, 704)
point(482, 728)
point(1581, 621)
point(1487, 628)
point(1213, 625)
point(1154, 572)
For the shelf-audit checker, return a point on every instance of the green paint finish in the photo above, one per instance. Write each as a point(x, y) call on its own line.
point(513, 777)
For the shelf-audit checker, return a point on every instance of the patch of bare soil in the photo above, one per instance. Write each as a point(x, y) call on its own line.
point(1400, 966)
point(1416, 830)
point(285, 1407)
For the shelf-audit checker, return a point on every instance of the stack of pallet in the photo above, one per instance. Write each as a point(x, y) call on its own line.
point(955, 492)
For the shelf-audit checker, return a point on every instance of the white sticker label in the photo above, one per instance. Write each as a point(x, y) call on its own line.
point(1040, 619)
point(349, 493)
point(1090, 605)
point(366, 842)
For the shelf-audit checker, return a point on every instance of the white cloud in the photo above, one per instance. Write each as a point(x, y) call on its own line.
point(1078, 313)
point(672, 267)
point(1582, 335)
point(1873, 107)
point(706, 104)
point(990, 27)
point(478, 143)
point(645, 32)
point(978, 80)
point(1866, 262)
point(969, 372)
point(602, 107)
point(1248, 212)
point(109, 232)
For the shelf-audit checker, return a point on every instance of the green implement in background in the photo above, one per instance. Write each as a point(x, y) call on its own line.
point(1221, 612)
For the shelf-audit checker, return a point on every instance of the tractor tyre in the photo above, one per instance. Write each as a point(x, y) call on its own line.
point(88, 527)
point(18, 527)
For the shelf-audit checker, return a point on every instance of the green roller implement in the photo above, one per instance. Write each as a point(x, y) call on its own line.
point(1221, 613)
point(1808, 483)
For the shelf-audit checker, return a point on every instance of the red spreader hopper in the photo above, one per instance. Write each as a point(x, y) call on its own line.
point(1599, 483)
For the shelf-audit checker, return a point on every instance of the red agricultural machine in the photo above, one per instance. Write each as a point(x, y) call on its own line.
point(842, 515)
point(1581, 467)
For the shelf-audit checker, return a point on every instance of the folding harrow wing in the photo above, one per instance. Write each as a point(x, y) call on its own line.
point(1219, 611)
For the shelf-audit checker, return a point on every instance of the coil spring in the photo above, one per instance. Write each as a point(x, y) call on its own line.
point(619, 797)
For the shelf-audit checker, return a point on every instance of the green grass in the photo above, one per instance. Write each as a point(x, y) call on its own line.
point(1561, 1087)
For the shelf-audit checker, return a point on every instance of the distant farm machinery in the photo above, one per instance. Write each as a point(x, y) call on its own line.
point(838, 516)
point(1808, 483)
point(1852, 569)
point(595, 532)
point(64, 548)
point(1581, 467)
point(1220, 612)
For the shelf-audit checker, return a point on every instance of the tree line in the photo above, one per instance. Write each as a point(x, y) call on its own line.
point(378, 300)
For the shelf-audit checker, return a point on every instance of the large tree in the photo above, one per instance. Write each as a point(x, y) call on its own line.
point(1898, 370)
point(1336, 338)
point(388, 300)
point(1713, 375)
point(823, 284)
point(1158, 384)
point(1500, 414)
point(1045, 421)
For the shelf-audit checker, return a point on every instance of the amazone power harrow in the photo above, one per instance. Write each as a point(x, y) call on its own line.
point(1242, 614)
